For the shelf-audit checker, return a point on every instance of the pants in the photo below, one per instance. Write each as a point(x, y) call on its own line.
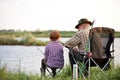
point(43, 68)
point(74, 57)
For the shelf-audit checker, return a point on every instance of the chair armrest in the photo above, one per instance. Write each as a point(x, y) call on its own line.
point(112, 51)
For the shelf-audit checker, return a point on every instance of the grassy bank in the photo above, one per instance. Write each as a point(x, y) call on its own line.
point(65, 74)
point(8, 37)
point(41, 33)
point(28, 37)
point(27, 40)
point(35, 33)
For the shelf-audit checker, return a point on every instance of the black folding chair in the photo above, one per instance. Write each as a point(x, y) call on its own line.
point(101, 41)
point(102, 47)
point(52, 71)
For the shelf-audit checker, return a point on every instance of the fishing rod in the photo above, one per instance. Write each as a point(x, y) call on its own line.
point(93, 23)
point(36, 45)
point(39, 50)
point(88, 41)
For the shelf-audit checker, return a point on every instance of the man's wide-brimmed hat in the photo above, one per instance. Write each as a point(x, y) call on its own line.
point(81, 21)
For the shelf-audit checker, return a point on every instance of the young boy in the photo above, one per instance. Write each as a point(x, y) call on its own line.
point(53, 56)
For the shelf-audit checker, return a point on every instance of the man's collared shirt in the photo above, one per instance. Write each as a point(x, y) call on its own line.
point(80, 39)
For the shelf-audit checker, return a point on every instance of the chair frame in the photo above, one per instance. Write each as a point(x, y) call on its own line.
point(90, 58)
point(50, 71)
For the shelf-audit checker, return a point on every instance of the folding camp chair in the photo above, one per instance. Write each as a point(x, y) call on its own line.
point(52, 71)
point(100, 41)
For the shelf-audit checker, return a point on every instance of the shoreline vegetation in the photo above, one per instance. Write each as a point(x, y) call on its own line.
point(65, 74)
point(7, 37)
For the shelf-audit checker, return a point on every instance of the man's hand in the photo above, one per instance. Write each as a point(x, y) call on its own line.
point(75, 49)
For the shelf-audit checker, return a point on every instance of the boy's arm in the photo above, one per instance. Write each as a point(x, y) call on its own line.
point(46, 54)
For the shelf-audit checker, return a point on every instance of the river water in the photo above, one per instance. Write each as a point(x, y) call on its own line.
point(28, 58)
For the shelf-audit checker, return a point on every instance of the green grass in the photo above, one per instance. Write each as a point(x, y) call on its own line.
point(65, 74)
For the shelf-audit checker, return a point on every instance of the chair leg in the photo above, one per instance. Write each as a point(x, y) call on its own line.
point(43, 69)
point(54, 71)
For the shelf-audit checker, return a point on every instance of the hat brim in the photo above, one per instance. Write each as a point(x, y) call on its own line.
point(83, 23)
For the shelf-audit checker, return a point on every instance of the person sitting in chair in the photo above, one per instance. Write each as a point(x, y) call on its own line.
point(79, 41)
point(53, 56)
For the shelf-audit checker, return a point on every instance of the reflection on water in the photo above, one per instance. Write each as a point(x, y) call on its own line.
point(27, 58)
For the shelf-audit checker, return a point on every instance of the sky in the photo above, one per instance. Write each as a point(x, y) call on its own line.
point(58, 14)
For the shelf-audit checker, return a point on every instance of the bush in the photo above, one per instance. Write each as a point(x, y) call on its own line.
point(28, 40)
point(7, 40)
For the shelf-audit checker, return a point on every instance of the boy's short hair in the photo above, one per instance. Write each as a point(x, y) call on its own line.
point(54, 35)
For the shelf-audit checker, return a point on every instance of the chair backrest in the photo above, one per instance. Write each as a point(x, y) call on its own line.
point(101, 39)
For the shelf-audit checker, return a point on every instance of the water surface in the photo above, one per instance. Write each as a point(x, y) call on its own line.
point(28, 58)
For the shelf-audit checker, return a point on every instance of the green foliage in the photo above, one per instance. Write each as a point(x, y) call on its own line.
point(117, 34)
point(37, 33)
point(8, 40)
point(42, 33)
point(28, 39)
point(67, 33)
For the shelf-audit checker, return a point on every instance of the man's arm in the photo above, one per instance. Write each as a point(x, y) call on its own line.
point(74, 41)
